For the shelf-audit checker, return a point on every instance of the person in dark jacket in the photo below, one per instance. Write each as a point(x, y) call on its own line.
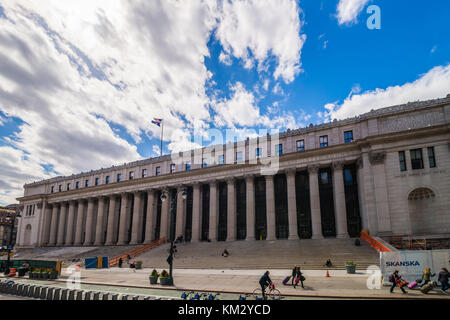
point(120, 262)
point(395, 279)
point(298, 274)
point(294, 274)
point(443, 279)
point(264, 282)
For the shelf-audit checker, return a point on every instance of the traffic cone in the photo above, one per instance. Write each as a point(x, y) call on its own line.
point(327, 275)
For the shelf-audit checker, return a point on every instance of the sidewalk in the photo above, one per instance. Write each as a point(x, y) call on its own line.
point(338, 285)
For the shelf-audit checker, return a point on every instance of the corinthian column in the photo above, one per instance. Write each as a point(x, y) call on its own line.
point(151, 217)
point(70, 224)
point(62, 224)
point(250, 207)
point(179, 229)
point(110, 232)
point(270, 203)
point(292, 204)
point(123, 221)
point(79, 226)
point(135, 234)
point(89, 222)
point(165, 208)
point(196, 217)
point(339, 200)
point(316, 221)
point(100, 218)
point(213, 211)
point(53, 226)
point(231, 210)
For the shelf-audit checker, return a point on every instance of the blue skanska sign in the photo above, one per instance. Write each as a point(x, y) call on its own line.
point(402, 263)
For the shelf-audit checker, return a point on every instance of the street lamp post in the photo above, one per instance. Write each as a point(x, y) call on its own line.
point(12, 218)
point(164, 197)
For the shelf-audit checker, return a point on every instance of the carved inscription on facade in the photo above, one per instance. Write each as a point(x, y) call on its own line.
point(412, 122)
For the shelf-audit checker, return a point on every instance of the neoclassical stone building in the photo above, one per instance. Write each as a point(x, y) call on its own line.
point(387, 171)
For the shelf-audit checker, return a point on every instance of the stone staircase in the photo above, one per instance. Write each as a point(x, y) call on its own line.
point(281, 254)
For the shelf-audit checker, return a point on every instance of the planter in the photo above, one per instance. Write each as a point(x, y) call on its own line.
point(153, 279)
point(138, 265)
point(21, 272)
point(44, 275)
point(351, 268)
point(35, 275)
point(166, 281)
point(53, 276)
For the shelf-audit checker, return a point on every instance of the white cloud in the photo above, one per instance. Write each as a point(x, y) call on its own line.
point(74, 71)
point(252, 30)
point(348, 10)
point(225, 59)
point(431, 85)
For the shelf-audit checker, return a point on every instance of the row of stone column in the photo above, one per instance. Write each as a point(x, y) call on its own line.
point(55, 234)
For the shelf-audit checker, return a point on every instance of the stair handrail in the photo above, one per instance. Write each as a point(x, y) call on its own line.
point(373, 242)
point(133, 253)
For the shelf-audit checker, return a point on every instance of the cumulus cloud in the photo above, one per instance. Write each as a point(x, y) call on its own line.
point(431, 85)
point(348, 10)
point(243, 36)
point(75, 72)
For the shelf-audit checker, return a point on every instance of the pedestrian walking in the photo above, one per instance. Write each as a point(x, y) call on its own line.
point(443, 279)
point(396, 280)
point(294, 274)
point(299, 277)
point(120, 262)
point(426, 276)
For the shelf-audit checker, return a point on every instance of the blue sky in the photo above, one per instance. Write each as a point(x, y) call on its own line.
point(80, 82)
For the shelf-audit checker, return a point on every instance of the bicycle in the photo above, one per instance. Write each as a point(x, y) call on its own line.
point(273, 294)
point(244, 297)
point(211, 296)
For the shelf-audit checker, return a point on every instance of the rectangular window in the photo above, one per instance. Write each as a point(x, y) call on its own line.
point(144, 173)
point(107, 180)
point(188, 166)
point(131, 175)
point(119, 177)
point(323, 140)
point(300, 145)
point(204, 163)
point(77, 184)
point(402, 159)
point(348, 136)
point(86, 183)
point(279, 150)
point(158, 171)
point(258, 153)
point(221, 159)
point(60, 188)
point(172, 168)
point(431, 158)
point(416, 159)
point(97, 181)
point(68, 186)
point(52, 189)
point(239, 157)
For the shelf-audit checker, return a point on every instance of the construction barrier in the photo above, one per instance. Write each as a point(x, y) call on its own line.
point(133, 253)
point(412, 263)
point(373, 242)
point(96, 263)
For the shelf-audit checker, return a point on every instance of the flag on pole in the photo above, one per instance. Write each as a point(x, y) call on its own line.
point(157, 121)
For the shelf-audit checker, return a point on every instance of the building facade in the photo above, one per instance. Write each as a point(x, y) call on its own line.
point(387, 171)
point(8, 231)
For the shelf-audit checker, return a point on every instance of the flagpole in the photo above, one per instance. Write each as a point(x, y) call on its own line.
point(162, 132)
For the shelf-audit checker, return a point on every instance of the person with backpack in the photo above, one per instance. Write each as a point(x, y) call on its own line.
point(264, 282)
point(426, 276)
point(396, 278)
point(120, 262)
point(299, 277)
point(443, 279)
point(294, 274)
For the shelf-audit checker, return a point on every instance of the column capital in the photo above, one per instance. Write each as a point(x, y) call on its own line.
point(338, 165)
point(249, 176)
point(72, 202)
point(377, 157)
point(290, 171)
point(230, 180)
point(268, 177)
point(359, 162)
point(211, 181)
point(313, 168)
